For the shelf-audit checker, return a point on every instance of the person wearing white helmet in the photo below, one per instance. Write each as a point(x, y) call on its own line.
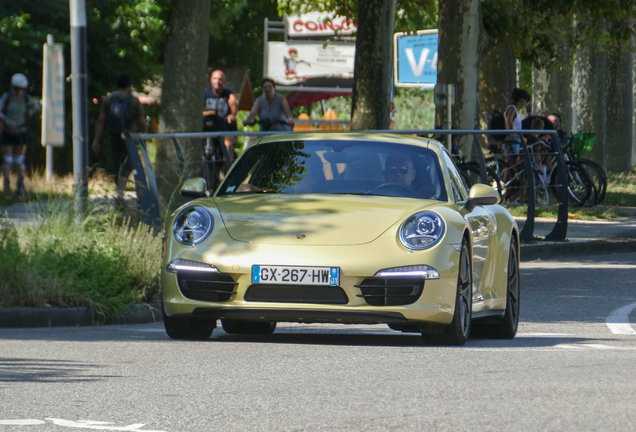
point(16, 107)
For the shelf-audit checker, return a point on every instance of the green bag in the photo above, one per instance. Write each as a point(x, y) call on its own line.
point(583, 143)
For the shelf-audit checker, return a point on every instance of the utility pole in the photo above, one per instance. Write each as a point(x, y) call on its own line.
point(80, 110)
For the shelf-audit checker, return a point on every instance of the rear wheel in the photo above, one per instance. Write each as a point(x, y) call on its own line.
point(458, 331)
point(579, 185)
point(183, 328)
point(598, 176)
point(232, 326)
point(507, 328)
point(472, 171)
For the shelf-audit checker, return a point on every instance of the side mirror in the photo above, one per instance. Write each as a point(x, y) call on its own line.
point(195, 188)
point(481, 194)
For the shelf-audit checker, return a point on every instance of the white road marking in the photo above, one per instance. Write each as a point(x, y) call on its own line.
point(98, 425)
point(534, 334)
point(25, 422)
point(618, 320)
point(79, 424)
point(592, 346)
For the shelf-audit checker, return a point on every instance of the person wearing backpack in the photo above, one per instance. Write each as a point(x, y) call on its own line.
point(121, 111)
point(15, 109)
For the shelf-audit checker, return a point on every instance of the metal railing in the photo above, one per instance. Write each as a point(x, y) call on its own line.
point(148, 197)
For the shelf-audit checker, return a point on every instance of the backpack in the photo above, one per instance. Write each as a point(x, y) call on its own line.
point(119, 114)
point(6, 100)
point(497, 122)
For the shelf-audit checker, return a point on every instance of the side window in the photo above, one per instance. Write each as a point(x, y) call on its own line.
point(459, 189)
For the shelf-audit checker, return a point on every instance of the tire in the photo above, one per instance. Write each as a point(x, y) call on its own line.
point(468, 182)
point(541, 191)
point(458, 331)
point(232, 326)
point(187, 328)
point(598, 176)
point(580, 187)
point(473, 172)
point(507, 327)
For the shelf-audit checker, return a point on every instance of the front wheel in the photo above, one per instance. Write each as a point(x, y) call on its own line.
point(458, 331)
point(182, 328)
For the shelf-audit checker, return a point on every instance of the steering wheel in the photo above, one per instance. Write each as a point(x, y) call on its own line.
point(401, 187)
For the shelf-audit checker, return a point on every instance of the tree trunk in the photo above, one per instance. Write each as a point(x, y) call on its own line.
point(620, 109)
point(459, 61)
point(498, 79)
point(184, 75)
point(589, 99)
point(373, 65)
point(552, 88)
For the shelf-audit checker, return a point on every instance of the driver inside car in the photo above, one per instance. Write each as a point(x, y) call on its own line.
point(399, 169)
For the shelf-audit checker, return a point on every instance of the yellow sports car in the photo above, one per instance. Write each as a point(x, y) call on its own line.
point(348, 228)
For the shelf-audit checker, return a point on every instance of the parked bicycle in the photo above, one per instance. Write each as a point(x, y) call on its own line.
point(574, 147)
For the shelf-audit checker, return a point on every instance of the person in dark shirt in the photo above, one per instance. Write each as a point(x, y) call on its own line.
point(220, 108)
point(137, 123)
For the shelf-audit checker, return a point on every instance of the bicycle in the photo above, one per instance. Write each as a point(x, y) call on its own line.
point(267, 125)
point(576, 146)
point(215, 161)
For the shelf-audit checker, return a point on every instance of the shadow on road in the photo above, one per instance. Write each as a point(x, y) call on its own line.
point(48, 371)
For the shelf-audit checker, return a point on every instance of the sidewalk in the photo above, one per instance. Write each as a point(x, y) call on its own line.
point(583, 238)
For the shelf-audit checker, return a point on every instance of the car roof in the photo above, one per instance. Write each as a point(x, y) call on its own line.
point(354, 136)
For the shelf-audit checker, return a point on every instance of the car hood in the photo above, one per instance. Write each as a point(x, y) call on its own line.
point(313, 220)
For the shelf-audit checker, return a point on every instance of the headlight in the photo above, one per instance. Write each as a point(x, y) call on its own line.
point(192, 225)
point(422, 230)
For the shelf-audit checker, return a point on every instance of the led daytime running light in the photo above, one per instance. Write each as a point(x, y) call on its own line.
point(423, 271)
point(187, 265)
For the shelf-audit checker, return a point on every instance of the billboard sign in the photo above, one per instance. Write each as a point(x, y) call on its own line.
point(415, 59)
point(318, 25)
point(310, 64)
point(53, 95)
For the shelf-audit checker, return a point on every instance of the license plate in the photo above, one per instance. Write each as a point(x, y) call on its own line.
point(286, 275)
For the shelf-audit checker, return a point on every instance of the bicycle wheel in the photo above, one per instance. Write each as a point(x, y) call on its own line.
point(579, 187)
point(598, 176)
point(468, 181)
point(541, 190)
point(473, 171)
point(209, 169)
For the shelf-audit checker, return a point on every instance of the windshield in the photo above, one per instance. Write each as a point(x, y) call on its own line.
point(337, 167)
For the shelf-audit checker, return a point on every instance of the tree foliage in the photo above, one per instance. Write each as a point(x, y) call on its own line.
point(535, 30)
point(236, 34)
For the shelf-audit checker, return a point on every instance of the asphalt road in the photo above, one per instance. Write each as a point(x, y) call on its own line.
point(567, 370)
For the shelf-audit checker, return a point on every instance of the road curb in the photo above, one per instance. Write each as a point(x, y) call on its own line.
point(531, 252)
point(26, 317)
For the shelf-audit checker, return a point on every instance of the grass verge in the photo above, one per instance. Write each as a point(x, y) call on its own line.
point(621, 192)
point(106, 262)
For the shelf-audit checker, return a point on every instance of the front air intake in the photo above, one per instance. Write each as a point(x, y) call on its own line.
point(391, 291)
point(206, 286)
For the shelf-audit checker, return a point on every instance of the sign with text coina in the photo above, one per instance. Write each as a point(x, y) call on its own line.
point(318, 25)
